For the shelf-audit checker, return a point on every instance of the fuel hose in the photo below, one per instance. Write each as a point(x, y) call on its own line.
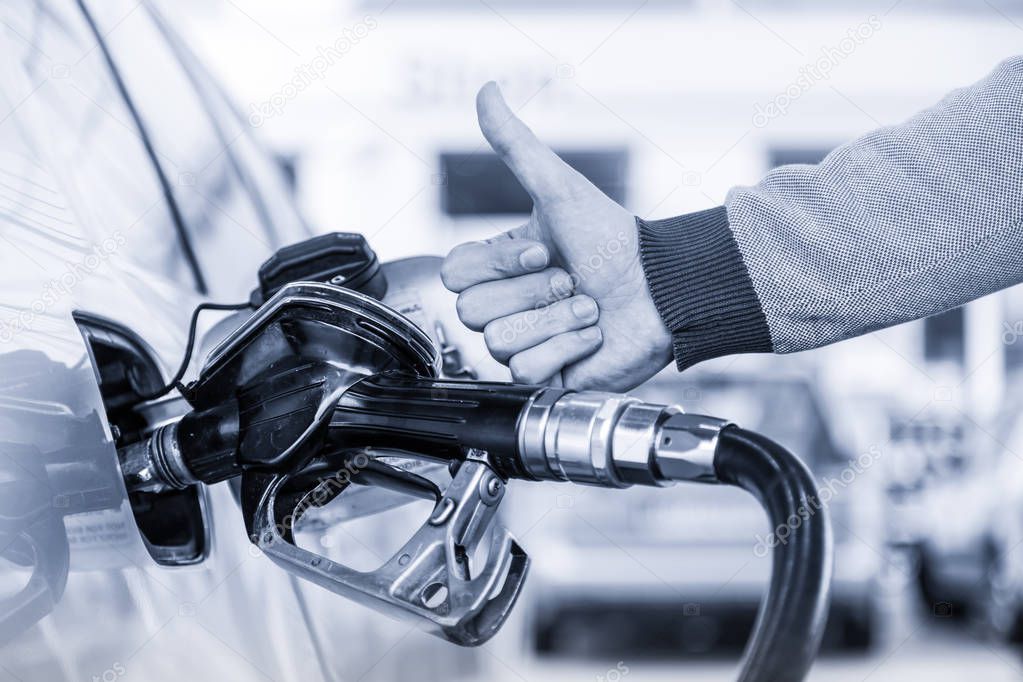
point(792, 615)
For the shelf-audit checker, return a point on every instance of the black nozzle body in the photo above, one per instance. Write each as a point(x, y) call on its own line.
point(434, 417)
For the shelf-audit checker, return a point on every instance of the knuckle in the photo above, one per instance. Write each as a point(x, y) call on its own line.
point(506, 263)
point(520, 369)
point(543, 316)
point(452, 269)
point(448, 275)
point(467, 311)
point(458, 252)
point(498, 336)
point(534, 322)
point(560, 284)
point(588, 338)
point(582, 308)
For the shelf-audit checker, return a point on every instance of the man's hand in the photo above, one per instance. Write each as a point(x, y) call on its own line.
point(566, 291)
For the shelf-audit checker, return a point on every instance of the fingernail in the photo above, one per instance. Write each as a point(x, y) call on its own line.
point(590, 333)
point(584, 308)
point(534, 257)
point(561, 284)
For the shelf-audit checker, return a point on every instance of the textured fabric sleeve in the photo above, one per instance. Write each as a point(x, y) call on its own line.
point(701, 288)
point(902, 223)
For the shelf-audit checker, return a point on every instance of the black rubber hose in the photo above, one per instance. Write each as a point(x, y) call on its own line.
point(792, 614)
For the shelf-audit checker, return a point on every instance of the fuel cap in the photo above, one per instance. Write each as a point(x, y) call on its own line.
point(340, 258)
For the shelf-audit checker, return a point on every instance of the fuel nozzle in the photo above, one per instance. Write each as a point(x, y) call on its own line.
point(263, 411)
point(275, 423)
point(532, 432)
point(612, 440)
point(526, 432)
point(319, 372)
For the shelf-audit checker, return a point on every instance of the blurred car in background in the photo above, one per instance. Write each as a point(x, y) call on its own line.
point(684, 568)
point(970, 549)
point(956, 547)
point(996, 593)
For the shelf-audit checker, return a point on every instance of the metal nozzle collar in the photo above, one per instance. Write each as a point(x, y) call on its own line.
point(567, 436)
point(614, 441)
point(155, 464)
point(685, 445)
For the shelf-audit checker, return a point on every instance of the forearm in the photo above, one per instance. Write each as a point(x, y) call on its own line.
point(902, 223)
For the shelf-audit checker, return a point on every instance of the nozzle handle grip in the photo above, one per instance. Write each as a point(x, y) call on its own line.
point(435, 417)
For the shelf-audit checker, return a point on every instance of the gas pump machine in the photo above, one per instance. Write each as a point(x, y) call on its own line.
point(322, 393)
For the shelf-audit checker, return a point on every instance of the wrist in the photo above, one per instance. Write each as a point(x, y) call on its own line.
point(661, 338)
point(700, 287)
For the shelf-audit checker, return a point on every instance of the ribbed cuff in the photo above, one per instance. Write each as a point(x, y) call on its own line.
point(701, 287)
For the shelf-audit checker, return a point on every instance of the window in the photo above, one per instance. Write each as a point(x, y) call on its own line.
point(480, 183)
point(783, 156)
point(944, 337)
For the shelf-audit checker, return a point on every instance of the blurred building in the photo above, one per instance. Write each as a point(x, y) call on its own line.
point(666, 104)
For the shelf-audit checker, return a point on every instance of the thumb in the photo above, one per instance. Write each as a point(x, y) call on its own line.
point(541, 172)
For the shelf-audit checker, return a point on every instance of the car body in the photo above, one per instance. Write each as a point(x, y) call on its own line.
point(119, 215)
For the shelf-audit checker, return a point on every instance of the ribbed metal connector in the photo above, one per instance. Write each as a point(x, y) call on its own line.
point(614, 441)
point(685, 445)
point(154, 464)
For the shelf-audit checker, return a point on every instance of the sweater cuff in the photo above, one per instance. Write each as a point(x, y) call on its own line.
point(701, 287)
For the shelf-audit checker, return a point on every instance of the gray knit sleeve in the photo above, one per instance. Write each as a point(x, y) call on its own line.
point(701, 287)
point(904, 222)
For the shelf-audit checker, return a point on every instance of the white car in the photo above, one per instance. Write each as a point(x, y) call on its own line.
point(130, 191)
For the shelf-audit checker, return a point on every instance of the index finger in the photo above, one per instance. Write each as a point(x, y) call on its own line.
point(477, 262)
